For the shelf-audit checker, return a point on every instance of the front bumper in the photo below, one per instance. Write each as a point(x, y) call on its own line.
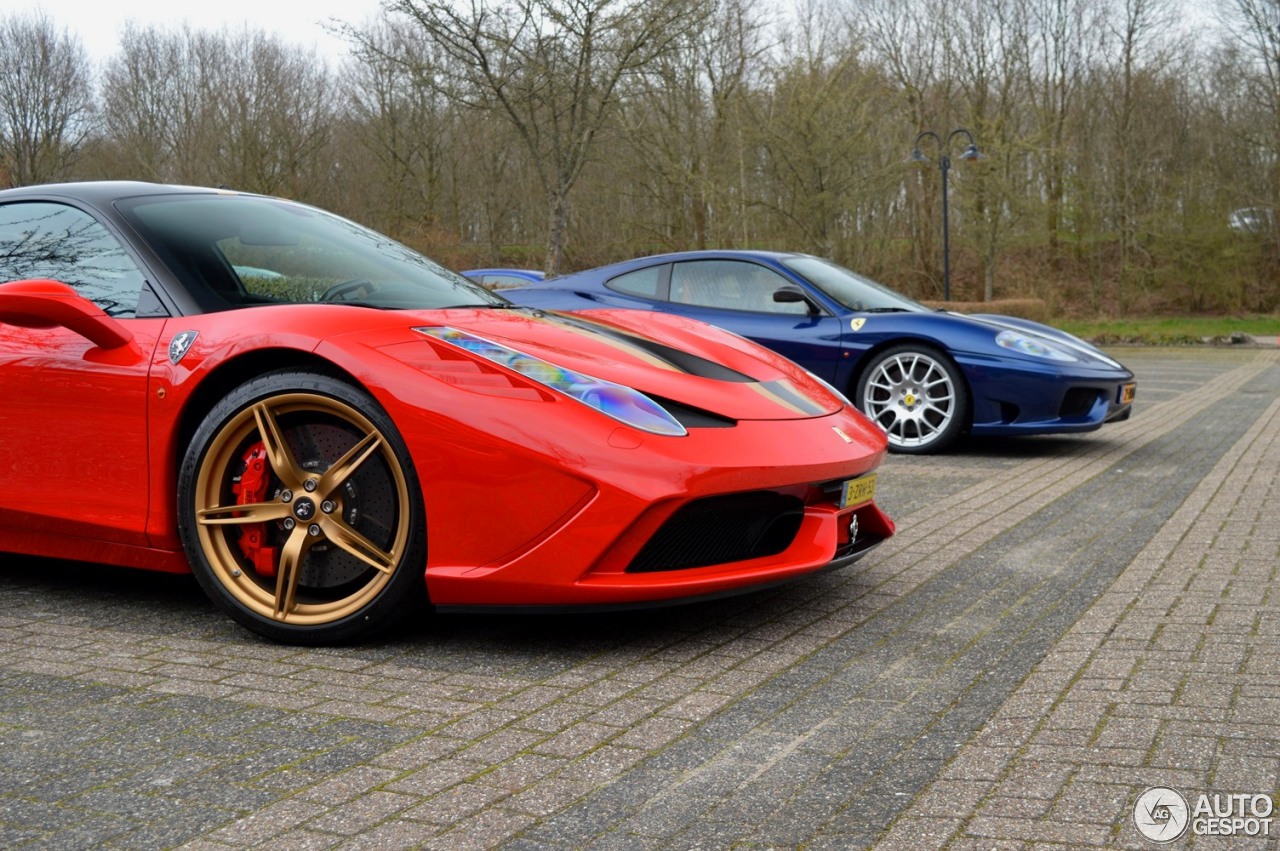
point(1019, 398)
point(595, 556)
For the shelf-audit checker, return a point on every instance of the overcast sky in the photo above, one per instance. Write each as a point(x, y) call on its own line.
point(99, 23)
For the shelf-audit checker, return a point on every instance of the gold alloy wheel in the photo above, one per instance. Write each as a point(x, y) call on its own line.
point(333, 522)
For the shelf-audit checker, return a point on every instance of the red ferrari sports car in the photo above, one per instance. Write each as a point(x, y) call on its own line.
point(330, 430)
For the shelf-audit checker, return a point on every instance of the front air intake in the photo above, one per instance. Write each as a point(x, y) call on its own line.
point(1079, 401)
point(720, 529)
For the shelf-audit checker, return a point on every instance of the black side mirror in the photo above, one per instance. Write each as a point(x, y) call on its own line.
point(792, 295)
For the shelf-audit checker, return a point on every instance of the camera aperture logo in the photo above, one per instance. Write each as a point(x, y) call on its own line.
point(1162, 814)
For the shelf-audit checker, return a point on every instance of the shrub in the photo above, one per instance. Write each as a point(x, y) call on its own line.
point(1034, 309)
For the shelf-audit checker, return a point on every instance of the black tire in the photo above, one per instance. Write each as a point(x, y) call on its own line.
point(916, 394)
point(301, 513)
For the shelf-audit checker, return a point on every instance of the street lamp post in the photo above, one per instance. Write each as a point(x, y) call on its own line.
point(971, 152)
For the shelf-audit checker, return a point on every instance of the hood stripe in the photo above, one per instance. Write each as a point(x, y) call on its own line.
point(616, 341)
point(668, 356)
point(784, 393)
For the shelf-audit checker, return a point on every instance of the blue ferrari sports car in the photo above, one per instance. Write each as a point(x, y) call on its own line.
point(926, 376)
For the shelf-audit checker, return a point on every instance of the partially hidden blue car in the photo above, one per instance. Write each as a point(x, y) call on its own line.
point(501, 279)
point(926, 376)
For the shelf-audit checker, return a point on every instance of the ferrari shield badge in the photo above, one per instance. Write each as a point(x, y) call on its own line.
point(179, 344)
point(856, 324)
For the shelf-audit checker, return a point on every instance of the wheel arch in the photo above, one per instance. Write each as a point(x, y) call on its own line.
point(869, 356)
point(235, 371)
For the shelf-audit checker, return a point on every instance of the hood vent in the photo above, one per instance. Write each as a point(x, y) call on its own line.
point(691, 417)
point(684, 361)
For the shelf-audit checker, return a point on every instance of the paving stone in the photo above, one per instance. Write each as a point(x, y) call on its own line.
point(1060, 623)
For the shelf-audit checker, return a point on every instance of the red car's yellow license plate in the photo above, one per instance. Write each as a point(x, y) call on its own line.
point(858, 491)
point(1127, 392)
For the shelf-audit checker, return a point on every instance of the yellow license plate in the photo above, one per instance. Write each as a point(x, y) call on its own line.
point(1127, 392)
point(857, 491)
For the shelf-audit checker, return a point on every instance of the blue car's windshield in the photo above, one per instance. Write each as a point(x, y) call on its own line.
point(239, 250)
point(849, 288)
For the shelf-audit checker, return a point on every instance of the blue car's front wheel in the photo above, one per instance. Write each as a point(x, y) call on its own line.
point(917, 395)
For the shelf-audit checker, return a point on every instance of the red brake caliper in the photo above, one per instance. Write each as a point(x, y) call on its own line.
point(252, 488)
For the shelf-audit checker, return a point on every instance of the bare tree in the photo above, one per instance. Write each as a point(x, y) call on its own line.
point(988, 43)
point(158, 121)
point(1121, 164)
point(1255, 26)
point(552, 69)
point(908, 40)
point(683, 183)
point(242, 109)
point(1063, 36)
point(404, 131)
point(1139, 55)
point(1248, 74)
point(46, 100)
point(819, 137)
point(276, 105)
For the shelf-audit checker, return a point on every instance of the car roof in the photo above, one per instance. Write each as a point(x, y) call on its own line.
point(712, 253)
point(103, 191)
point(681, 256)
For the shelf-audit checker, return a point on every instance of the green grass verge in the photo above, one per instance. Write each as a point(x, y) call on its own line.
point(1178, 330)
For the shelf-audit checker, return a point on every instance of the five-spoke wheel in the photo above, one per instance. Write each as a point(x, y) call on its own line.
point(300, 511)
point(917, 395)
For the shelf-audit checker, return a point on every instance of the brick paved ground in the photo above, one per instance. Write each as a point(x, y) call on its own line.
point(1060, 624)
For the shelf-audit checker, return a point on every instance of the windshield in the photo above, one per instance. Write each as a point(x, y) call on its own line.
point(240, 250)
point(849, 288)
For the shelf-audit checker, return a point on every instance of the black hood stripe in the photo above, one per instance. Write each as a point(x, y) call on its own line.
point(673, 358)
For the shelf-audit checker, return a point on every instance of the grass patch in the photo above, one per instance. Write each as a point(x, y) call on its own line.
point(1171, 330)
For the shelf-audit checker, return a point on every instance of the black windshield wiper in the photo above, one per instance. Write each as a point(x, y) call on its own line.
point(884, 310)
point(484, 305)
point(356, 303)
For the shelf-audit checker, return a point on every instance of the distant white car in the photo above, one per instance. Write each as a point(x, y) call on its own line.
point(1251, 219)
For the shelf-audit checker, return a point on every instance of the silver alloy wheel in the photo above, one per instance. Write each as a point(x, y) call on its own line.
point(913, 396)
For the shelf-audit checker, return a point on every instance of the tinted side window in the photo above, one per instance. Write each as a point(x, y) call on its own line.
point(730, 285)
point(642, 282)
point(43, 240)
point(502, 282)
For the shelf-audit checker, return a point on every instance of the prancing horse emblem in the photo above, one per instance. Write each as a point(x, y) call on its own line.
point(179, 344)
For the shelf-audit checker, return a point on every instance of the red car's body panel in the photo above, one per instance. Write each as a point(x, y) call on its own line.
point(530, 497)
point(74, 427)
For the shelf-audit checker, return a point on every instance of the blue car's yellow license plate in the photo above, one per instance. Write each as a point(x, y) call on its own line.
point(857, 491)
point(1127, 392)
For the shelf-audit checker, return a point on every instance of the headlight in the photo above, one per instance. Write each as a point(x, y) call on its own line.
point(1033, 346)
point(614, 400)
